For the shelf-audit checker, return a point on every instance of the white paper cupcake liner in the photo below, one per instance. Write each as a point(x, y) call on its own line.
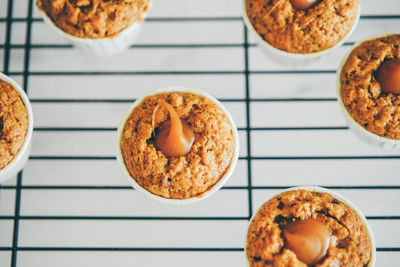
point(357, 129)
point(337, 196)
point(214, 188)
point(21, 158)
point(102, 46)
point(292, 59)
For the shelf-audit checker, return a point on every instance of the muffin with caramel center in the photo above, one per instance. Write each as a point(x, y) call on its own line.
point(349, 243)
point(361, 92)
point(186, 176)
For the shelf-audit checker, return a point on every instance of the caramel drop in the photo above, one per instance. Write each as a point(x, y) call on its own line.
point(309, 239)
point(388, 75)
point(174, 137)
point(303, 4)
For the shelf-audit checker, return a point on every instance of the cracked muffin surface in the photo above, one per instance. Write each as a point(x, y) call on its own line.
point(376, 111)
point(13, 123)
point(302, 31)
point(349, 246)
point(178, 177)
point(94, 18)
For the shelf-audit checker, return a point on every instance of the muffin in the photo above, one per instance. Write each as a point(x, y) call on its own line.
point(16, 127)
point(206, 165)
point(13, 123)
point(271, 233)
point(363, 96)
point(94, 18)
point(100, 26)
point(293, 29)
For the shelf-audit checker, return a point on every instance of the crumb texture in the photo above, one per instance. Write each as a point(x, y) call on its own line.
point(94, 18)
point(361, 93)
point(178, 177)
point(350, 244)
point(13, 123)
point(297, 31)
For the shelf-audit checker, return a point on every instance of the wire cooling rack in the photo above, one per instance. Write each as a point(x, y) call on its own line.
point(72, 207)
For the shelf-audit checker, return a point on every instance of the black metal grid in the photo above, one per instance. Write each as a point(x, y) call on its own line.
point(248, 129)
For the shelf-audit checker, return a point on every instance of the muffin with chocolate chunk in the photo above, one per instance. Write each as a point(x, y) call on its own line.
point(309, 227)
point(300, 26)
point(203, 167)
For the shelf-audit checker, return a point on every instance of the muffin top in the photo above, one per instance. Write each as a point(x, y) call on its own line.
point(349, 240)
point(94, 18)
point(302, 31)
point(376, 111)
point(178, 177)
point(13, 123)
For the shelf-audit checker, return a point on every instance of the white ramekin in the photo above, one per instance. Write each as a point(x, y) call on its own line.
point(294, 59)
point(102, 46)
point(212, 190)
point(361, 132)
point(337, 196)
point(22, 156)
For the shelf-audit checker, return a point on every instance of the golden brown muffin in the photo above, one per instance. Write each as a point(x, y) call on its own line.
point(178, 177)
point(350, 244)
point(94, 18)
point(361, 93)
point(13, 123)
point(298, 31)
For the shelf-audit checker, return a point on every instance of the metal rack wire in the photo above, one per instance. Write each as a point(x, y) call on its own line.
point(386, 243)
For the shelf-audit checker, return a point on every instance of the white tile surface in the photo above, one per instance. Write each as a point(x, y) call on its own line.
point(94, 173)
point(305, 85)
point(2, 33)
point(296, 114)
point(131, 86)
point(228, 203)
point(132, 233)
point(101, 114)
point(5, 258)
point(354, 172)
point(6, 233)
point(128, 259)
point(7, 202)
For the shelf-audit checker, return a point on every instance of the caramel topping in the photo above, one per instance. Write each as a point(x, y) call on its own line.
point(174, 137)
point(388, 75)
point(303, 4)
point(309, 239)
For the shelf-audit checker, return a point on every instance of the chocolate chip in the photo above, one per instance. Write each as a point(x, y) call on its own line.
point(281, 205)
point(1, 126)
point(327, 214)
point(279, 219)
point(257, 259)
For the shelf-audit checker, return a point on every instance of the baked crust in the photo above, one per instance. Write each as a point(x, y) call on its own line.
point(13, 123)
point(94, 18)
point(178, 177)
point(296, 31)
